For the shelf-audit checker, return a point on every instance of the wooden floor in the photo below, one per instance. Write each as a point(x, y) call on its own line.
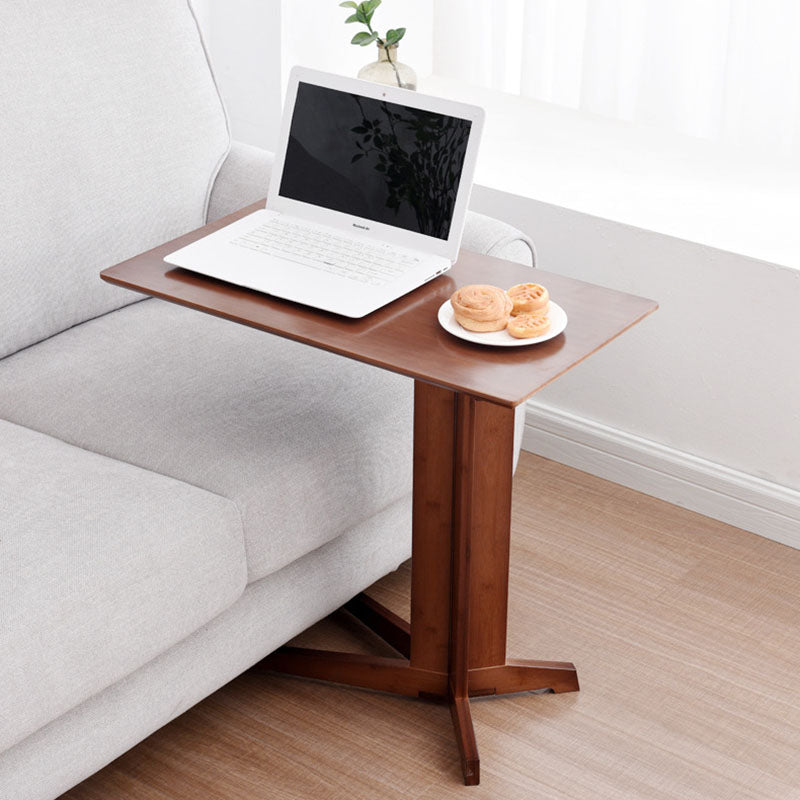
point(685, 632)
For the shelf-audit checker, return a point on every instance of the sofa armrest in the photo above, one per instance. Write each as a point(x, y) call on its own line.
point(242, 179)
point(491, 237)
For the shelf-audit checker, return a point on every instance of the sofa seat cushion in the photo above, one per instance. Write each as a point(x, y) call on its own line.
point(104, 567)
point(306, 443)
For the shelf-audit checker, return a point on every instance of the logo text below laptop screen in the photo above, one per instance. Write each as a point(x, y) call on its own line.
point(381, 161)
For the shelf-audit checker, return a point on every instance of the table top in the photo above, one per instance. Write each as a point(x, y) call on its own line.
point(405, 336)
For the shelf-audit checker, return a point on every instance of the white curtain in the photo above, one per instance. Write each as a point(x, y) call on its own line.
point(724, 70)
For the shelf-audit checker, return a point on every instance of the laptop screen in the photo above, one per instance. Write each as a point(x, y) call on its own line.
point(373, 159)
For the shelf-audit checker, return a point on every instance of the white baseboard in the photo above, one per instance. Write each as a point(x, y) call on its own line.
point(756, 505)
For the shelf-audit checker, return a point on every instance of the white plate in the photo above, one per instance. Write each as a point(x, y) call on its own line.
point(558, 321)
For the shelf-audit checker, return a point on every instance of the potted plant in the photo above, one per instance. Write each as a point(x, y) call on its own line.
point(387, 69)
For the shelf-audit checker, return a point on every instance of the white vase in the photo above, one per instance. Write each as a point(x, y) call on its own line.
point(387, 69)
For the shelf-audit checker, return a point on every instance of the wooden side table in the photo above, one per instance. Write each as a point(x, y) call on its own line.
point(464, 397)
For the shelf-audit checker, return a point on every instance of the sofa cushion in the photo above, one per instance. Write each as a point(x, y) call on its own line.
point(306, 443)
point(104, 567)
point(112, 132)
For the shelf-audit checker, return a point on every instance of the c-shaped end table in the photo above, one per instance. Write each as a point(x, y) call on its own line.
point(464, 397)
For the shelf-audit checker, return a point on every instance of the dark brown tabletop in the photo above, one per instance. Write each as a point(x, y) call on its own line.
point(405, 336)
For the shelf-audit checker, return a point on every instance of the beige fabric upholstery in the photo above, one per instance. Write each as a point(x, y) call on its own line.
point(112, 133)
point(269, 613)
point(103, 566)
point(306, 443)
point(243, 179)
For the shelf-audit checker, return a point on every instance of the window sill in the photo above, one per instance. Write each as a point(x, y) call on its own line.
point(659, 181)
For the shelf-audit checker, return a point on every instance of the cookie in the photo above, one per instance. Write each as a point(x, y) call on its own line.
point(527, 326)
point(529, 298)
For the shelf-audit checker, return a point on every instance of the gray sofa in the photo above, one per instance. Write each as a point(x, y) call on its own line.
point(179, 495)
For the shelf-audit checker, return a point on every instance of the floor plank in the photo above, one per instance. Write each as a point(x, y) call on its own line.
point(685, 632)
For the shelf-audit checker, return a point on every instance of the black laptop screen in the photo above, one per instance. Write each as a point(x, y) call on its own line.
point(381, 161)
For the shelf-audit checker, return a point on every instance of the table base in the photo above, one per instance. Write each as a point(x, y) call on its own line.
point(454, 647)
point(396, 675)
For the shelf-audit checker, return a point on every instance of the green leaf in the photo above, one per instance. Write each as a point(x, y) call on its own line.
point(369, 8)
point(356, 157)
point(361, 15)
point(394, 36)
point(352, 18)
point(348, 4)
point(364, 38)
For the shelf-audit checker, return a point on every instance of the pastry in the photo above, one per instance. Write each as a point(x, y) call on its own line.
point(481, 308)
point(526, 326)
point(529, 298)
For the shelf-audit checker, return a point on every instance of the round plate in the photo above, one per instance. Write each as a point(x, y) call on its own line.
point(558, 321)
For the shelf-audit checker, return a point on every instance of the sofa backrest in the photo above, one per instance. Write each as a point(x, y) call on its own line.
point(111, 134)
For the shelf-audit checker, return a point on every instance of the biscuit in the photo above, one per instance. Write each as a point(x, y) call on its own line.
point(529, 298)
point(527, 326)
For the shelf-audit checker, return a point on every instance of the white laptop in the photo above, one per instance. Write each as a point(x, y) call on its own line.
point(367, 199)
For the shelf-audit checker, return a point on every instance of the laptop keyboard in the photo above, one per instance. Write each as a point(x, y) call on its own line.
point(364, 262)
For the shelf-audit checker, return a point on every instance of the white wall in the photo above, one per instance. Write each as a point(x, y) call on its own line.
point(243, 38)
point(715, 372)
point(700, 403)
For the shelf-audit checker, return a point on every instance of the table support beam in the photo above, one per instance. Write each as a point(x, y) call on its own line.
point(384, 674)
point(390, 627)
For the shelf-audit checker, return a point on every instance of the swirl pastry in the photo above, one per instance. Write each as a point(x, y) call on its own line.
point(526, 326)
point(529, 298)
point(481, 308)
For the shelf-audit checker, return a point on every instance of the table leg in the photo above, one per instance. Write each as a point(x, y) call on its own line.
point(464, 507)
point(432, 525)
point(455, 644)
